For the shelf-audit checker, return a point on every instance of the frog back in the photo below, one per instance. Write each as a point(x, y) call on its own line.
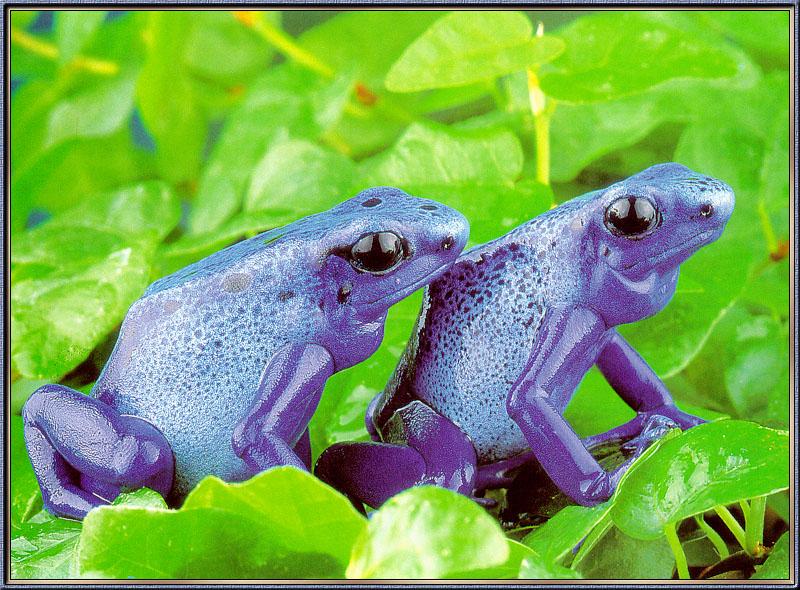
point(477, 326)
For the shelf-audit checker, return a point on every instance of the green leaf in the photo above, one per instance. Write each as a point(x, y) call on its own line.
point(283, 523)
point(428, 532)
point(361, 28)
point(724, 376)
point(610, 55)
point(777, 566)
point(142, 498)
point(768, 291)
point(166, 98)
point(426, 155)
point(534, 567)
point(709, 465)
point(774, 178)
point(763, 32)
point(221, 50)
point(564, 531)
point(593, 392)
point(278, 106)
point(757, 379)
point(56, 321)
point(522, 562)
point(44, 548)
point(76, 275)
point(147, 211)
point(23, 18)
point(141, 213)
point(299, 175)
point(618, 556)
point(68, 173)
point(466, 47)
point(97, 111)
point(74, 30)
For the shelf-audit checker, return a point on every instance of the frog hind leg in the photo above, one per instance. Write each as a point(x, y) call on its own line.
point(420, 447)
point(303, 448)
point(84, 452)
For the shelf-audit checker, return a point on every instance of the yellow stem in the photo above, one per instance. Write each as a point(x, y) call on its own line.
point(541, 125)
point(713, 536)
point(33, 44)
point(283, 42)
point(732, 524)
point(95, 66)
point(754, 527)
point(49, 51)
point(680, 557)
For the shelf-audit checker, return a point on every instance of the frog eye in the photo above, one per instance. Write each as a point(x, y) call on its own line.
point(631, 217)
point(377, 253)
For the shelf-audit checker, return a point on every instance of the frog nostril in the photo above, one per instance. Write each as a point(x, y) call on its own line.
point(448, 242)
point(428, 207)
point(707, 210)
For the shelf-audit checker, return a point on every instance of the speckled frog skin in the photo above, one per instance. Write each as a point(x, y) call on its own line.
point(506, 335)
point(219, 367)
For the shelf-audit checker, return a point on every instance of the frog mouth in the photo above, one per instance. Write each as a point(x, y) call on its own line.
point(690, 245)
point(409, 289)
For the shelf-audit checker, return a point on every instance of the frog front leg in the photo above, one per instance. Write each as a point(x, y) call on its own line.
point(84, 452)
point(568, 342)
point(641, 388)
point(288, 393)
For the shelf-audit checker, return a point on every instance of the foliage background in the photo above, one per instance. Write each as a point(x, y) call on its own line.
point(142, 141)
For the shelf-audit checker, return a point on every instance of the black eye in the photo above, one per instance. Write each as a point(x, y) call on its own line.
point(631, 217)
point(376, 253)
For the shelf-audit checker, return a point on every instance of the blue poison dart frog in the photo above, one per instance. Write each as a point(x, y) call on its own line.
point(219, 367)
point(508, 332)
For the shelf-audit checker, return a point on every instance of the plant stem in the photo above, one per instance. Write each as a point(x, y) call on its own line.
point(754, 528)
point(283, 42)
point(745, 507)
point(541, 122)
point(680, 557)
point(49, 51)
point(713, 536)
point(732, 524)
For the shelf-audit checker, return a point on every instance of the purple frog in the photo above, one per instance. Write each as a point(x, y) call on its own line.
point(506, 335)
point(219, 367)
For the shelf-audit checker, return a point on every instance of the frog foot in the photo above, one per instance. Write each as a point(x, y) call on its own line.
point(421, 448)
point(655, 427)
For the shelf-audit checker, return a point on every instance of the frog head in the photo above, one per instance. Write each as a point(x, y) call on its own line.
point(381, 246)
point(644, 227)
